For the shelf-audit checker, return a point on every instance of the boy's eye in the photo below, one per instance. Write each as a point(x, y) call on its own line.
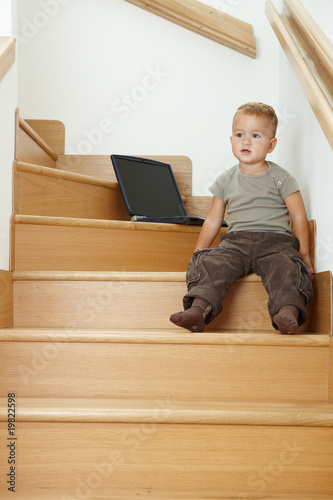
point(255, 136)
point(239, 134)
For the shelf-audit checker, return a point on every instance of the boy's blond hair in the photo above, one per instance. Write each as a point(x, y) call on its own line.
point(259, 109)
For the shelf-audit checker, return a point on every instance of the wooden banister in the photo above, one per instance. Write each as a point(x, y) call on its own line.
point(310, 54)
point(206, 21)
point(7, 54)
point(314, 36)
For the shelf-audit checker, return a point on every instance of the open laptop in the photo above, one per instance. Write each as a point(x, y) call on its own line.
point(150, 191)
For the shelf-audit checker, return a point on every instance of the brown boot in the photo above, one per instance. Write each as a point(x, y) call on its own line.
point(193, 319)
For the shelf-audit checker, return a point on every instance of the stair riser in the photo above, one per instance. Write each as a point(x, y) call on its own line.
point(91, 370)
point(95, 460)
point(61, 248)
point(49, 196)
point(99, 166)
point(118, 304)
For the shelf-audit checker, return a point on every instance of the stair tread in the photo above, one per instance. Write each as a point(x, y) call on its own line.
point(314, 413)
point(80, 222)
point(177, 276)
point(98, 276)
point(162, 336)
point(168, 494)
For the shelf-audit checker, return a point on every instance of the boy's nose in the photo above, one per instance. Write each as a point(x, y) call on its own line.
point(246, 139)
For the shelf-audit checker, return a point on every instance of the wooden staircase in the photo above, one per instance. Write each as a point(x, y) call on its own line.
point(111, 400)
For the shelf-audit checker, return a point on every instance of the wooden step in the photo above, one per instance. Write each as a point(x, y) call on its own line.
point(99, 166)
point(168, 494)
point(146, 300)
point(42, 142)
point(102, 447)
point(66, 244)
point(46, 191)
point(51, 192)
point(71, 244)
point(72, 363)
point(172, 335)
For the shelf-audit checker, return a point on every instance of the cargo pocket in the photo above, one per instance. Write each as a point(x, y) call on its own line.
point(302, 281)
point(193, 274)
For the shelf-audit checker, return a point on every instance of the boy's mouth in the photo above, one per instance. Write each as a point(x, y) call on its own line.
point(245, 151)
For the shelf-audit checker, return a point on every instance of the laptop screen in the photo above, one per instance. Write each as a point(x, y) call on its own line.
point(148, 187)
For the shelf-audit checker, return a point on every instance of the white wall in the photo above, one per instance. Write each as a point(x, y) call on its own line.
point(125, 81)
point(6, 18)
point(8, 103)
point(88, 64)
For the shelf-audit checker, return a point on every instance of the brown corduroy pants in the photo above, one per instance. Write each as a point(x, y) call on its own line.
point(272, 256)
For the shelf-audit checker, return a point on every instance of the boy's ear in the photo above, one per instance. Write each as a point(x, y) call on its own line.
point(272, 144)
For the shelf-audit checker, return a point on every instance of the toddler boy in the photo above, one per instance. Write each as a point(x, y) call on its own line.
point(260, 198)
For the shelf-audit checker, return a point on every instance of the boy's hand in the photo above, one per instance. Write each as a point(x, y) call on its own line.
point(308, 263)
point(212, 224)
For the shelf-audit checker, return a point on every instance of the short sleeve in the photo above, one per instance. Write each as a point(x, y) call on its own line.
point(217, 190)
point(288, 186)
point(219, 187)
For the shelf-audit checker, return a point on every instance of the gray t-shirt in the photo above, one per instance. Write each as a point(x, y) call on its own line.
point(256, 202)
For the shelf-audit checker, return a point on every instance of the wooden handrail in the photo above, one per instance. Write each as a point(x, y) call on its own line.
point(7, 54)
point(314, 36)
point(310, 53)
point(205, 20)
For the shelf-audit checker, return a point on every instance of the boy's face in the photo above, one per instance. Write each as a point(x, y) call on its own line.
point(252, 138)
